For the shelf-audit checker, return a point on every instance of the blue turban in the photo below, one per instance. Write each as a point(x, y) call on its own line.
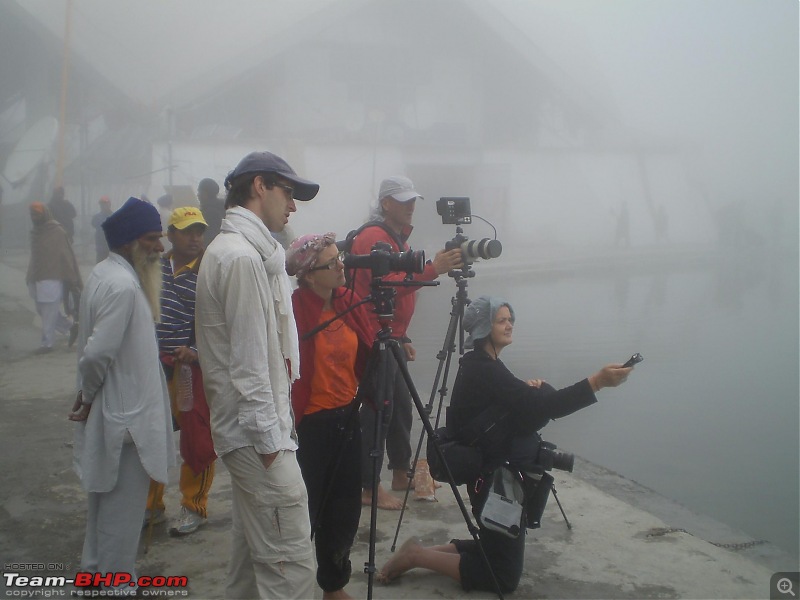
point(479, 316)
point(130, 222)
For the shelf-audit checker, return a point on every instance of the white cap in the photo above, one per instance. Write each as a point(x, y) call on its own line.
point(398, 187)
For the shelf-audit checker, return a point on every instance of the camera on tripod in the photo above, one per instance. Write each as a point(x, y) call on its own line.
point(382, 261)
point(550, 458)
point(456, 211)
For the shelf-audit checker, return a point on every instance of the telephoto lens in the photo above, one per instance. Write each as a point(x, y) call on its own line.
point(485, 249)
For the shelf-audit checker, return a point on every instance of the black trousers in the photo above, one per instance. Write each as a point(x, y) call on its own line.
point(506, 555)
point(396, 428)
point(330, 459)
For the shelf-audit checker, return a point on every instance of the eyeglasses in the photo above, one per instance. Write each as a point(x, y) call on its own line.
point(331, 264)
point(286, 188)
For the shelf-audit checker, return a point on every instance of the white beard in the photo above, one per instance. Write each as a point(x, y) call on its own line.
point(148, 268)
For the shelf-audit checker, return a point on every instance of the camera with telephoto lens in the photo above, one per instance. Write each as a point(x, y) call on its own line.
point(381, 260)
point(455, 210)
point(549, 458)
point(474, 249)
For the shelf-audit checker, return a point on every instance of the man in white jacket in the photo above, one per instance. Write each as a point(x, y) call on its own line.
point(123, 433)
point(249, 355)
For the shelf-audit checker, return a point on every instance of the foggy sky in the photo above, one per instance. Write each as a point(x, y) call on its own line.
point(721, 75)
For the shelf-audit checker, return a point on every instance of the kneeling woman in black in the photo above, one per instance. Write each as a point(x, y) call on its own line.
point(484, 383)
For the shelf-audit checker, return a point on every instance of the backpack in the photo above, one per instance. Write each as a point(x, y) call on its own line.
point(347, 245)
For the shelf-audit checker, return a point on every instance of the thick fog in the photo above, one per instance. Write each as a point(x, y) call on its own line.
point(639, 161)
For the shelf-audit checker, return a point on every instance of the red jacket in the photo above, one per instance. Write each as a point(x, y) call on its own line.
point(307, 310)
point(406, 298)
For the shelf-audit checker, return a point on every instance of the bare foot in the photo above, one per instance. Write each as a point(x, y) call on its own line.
point(400, 480)
point(385, 500)
point(400, 562)
point(337, 595)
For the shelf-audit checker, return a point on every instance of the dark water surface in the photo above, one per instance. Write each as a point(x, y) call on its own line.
point(709, 419)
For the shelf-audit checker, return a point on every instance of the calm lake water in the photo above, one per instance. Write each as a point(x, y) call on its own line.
point(710, 418)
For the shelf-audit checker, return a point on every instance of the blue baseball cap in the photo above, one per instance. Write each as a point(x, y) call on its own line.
point(267, 162)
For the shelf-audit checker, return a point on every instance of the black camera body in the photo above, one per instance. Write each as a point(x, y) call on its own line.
point(382, 261)
point(549, 457)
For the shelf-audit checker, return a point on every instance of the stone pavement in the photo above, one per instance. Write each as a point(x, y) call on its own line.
point(617, 547)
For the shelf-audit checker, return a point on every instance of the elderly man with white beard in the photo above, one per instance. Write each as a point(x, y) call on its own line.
point(123, 433)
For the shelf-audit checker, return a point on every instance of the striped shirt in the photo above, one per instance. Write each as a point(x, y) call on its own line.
point(178, 293)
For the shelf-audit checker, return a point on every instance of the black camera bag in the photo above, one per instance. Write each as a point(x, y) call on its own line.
point(537, 485)
point(465, 461)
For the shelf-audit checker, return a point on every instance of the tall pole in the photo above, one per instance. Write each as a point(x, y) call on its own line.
point(62, 109)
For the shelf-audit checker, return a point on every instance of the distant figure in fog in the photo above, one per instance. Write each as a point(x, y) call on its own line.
point(661, 223)
point(52, 272)
point(165, 211)
point(623, 233)
point(100, 244)
point(212, 206)
point(63, 211)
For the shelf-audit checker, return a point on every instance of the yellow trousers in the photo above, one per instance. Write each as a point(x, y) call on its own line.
point(194, 487)
point(194, 490)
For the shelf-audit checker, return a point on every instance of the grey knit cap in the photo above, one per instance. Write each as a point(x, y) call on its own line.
point(479, 315)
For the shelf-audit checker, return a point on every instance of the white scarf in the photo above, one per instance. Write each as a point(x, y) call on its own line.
point(245, 222)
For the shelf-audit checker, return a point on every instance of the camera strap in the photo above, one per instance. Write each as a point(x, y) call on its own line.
point(390, 232)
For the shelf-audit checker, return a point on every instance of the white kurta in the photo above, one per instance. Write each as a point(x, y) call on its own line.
point(120, 374)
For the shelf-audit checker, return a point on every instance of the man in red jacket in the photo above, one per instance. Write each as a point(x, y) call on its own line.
point(392, 215)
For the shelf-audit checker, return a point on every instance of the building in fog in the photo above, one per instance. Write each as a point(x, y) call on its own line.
point(452, 93)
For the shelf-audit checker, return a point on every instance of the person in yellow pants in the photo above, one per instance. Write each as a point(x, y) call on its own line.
point(178, 356)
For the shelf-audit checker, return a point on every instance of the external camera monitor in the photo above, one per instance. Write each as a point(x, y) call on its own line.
point(454, 210)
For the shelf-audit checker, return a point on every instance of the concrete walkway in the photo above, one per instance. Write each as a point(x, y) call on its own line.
point(617, 547)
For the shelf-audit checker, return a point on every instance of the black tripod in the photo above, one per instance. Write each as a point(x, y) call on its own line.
point(459, 303)
point(384, 350)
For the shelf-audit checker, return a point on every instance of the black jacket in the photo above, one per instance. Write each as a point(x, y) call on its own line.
point(486, 387)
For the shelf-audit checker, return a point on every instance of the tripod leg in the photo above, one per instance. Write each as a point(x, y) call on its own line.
point(429, 430)
point(376, 454)
point(444, 357)
point(561, 508)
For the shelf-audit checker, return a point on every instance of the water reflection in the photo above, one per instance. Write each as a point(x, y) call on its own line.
point(710, 419)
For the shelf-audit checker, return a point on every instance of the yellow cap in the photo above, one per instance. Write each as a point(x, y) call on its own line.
point(184, 216)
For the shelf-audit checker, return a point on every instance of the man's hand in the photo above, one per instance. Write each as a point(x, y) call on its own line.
point(268, 459)
point(537, 383)
point(447, 260)
point(609, 376)
point(411, 353)
point(80, 411)
point(185, 354)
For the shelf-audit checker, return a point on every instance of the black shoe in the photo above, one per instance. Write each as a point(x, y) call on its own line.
point(43, 350)
point(73, 334)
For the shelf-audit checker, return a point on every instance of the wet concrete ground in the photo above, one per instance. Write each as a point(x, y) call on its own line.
point(617, 547)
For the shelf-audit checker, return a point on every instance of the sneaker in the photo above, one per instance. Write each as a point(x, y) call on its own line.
point(188, 523)
point(157, 516)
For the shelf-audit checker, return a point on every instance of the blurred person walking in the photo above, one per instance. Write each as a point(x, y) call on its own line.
point(52, 274)
point(212, 206)
point(63, 211)
point(123, 431)
point(100, 244)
